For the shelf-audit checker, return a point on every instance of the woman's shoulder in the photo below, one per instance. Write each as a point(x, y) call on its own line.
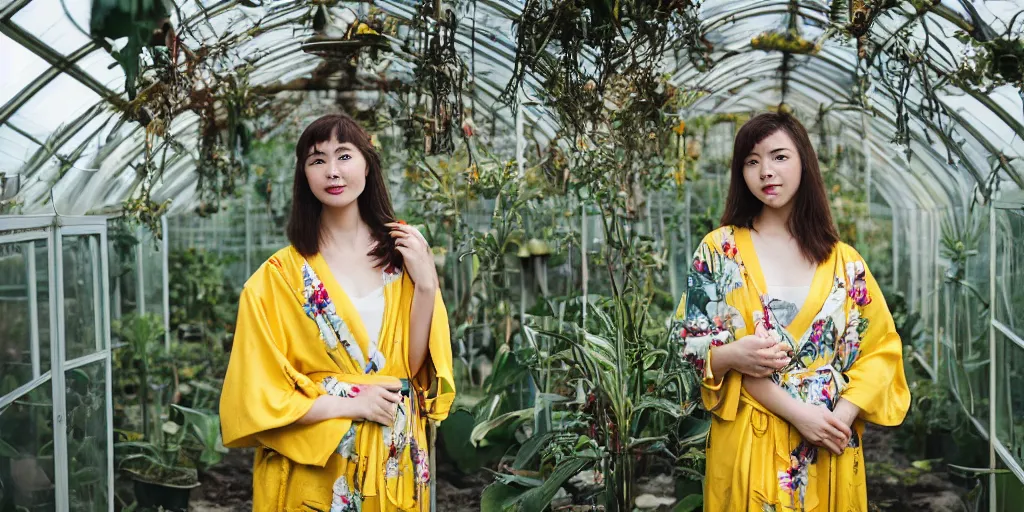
point(281, 265)
point(723, 237)
point(847, 253)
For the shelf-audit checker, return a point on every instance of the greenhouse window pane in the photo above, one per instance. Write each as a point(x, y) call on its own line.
point(86, 405)
point(1010, 395)
point(1010, 271)
point(101, 66)
point(15, 149)
point(81, 315)
point(18, 68)
point(48, 21)
point(26, 452)
point(62, 99)
point(123, 270)
point(16, 307)
point(43, 303)
point(153, 274)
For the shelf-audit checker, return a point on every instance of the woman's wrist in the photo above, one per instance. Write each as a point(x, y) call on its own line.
point(425, 289)
point(722, 361)
point(343, 408)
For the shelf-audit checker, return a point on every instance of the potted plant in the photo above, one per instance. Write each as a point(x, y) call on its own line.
point(162, 473)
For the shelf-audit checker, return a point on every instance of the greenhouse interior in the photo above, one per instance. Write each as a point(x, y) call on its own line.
point(564, 160)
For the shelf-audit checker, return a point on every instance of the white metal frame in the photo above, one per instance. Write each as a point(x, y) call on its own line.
point(51, 230)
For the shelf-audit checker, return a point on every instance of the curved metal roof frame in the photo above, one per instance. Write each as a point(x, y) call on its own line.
point(85, 164)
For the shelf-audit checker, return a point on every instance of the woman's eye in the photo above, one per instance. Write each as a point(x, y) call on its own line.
point(346, 156)
point(781, 157)
point(751, 162)
point(318, 161)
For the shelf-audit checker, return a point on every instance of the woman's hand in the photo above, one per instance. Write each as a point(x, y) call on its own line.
point(418, 259)
point(755, 355)
point(375, 403)
point(820, 427)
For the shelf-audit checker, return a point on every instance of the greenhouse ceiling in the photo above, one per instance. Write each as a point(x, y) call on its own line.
point(930, 91)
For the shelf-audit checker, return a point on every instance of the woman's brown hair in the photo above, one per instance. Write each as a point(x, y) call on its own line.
point(810, 221)
point(304, 229)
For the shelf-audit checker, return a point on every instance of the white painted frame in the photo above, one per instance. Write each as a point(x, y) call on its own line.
point(51, 230)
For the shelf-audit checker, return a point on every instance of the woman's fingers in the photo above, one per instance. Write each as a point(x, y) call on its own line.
point(838, 424)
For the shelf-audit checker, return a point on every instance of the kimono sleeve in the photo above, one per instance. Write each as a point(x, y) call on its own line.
point(876, 379)
point(263, 393)
point(435, 381)
point(701, 322)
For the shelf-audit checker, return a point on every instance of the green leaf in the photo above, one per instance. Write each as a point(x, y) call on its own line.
point(660, 404)
point(539, 498)
point(7, 451)
point(496, 495)
point(530, 449)
point(510, 419)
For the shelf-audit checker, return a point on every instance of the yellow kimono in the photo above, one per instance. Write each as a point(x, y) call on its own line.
point(299, 337)
point(844, 344)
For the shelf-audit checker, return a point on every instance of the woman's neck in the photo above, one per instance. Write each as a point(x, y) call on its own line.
point(773, 221)
point(344, 228)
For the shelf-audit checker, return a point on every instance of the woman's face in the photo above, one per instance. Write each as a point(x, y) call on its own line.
point(772, 170)
point(336, 172)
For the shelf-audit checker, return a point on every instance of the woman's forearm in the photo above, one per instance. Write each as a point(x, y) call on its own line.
point(772, 397)
point(327, 407)
point(721, 361)
point(421, 316)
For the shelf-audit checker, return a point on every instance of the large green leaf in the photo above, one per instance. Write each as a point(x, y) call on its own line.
point(540, 497)
point(133, 19)
point(530, 449)
point(507, 420)
point(496, 495)
point(689, 503)
point(455, 432)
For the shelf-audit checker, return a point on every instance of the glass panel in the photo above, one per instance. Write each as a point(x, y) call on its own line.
point(15, 325)
point(1010, 396)
point(61, 25)
point(81, 266)
point(43, 302)
point(26, 452)
point(1010, 270)
point(123, 269)
point(15, 148)
point(18, 68)
point(62, 99)
point(965, 350)
point(87, 437)
point(153, 273)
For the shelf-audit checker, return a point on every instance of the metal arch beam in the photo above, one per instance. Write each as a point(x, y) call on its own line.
point(12, 9)
point(724, 75)
point(879, 117)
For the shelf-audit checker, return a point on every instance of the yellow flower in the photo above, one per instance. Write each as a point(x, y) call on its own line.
point(680, 128)
point(363, 28)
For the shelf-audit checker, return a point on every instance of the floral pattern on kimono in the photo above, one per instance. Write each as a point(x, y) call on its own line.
point(333, 331)
point(344, 498)
point(705, 319)
point(814, 376)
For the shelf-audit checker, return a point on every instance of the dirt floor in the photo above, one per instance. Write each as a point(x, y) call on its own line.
point(894, 483)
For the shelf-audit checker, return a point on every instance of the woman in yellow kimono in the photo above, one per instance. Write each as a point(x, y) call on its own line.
point(342, 351)
point(790, 334)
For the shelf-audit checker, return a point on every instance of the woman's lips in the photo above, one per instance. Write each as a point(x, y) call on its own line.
point(771, 190)
point(334, 191)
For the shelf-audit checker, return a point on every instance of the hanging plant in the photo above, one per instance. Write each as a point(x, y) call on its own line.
point(143, 22)
point(990, 64)
point(788, 41)
point(340, 44)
